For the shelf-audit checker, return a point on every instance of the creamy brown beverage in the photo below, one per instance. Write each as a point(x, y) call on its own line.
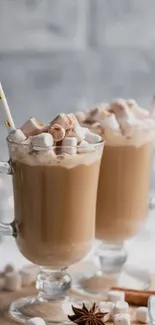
point(55, 193)
point(124, 181)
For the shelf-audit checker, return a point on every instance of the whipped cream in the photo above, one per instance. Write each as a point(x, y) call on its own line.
point(122, 122)
point(63, 141)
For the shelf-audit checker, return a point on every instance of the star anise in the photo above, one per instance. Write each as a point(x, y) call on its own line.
point(85, 316)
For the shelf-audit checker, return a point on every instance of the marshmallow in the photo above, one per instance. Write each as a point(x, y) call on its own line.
point(100, 113)
point(33, 269)
point(57, 131)
point(12, 281)
point(138, 111)
point(84, 146)
point(121, 307)
point(81, 116)
point(32, 127)
point(45, 157)
point(108, 306)
point(142, 315)
point(106, 317)
point(25, 146)
point(123, 113)
point(78, 132)
point(131, 102)
point(110, 122)
point(16, 136)
point(26, 277)
point(42, 141)
point(70, 145)
point(115, 295)
point(92, 137)
point(35, 321)
point(64, 120)
point(73, 119)
point(122, 319)
point(9, 268)
point(126, 118)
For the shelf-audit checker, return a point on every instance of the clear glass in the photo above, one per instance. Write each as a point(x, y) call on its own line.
point(54, 225)
point(122, 208)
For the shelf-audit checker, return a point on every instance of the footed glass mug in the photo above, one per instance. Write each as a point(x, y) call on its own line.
point(54, 225)
point(122, 208)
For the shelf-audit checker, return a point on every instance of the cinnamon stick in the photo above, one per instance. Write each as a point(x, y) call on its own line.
point(136, 297)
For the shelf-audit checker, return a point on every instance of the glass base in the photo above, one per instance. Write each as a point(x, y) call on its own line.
point(53, 312)
point(96, 285)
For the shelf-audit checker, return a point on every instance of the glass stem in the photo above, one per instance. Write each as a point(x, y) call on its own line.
point(53, 284)
point(111, 258)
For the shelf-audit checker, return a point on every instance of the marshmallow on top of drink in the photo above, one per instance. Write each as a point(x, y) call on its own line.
point(122, 122)
point(60, 140)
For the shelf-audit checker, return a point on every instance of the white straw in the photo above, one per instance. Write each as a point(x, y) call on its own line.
point(8, 120)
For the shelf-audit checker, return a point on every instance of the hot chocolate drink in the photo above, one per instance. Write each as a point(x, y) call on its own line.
point(55, 202)
point(55, 169)
point(124, 181)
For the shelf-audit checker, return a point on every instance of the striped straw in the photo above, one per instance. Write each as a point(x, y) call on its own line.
point(4, 107)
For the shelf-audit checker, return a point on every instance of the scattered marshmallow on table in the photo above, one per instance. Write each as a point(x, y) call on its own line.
point(33, 269)
point(120, 307)
point(35, 321)
point(16, 136)
point(57, 131)
point(42, 141)
point(9, 268)
point(142, 315)
point(93, 138)
point(85, 147)
point(106, 305)
point(106, 317)
point(70, 145)
point(12, 281)
point(32, 127)
point(116, 295)
point(122, 319)
point(26, 277)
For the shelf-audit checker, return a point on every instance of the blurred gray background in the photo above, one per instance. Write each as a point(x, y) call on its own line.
point(62, 55)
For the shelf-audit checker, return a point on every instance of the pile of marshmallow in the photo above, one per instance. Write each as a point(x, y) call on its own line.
point(64, 133)
point(124, 116)
point(117, 310)
point(14, 280)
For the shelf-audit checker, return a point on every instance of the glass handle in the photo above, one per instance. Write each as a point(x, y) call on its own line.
point(5, 168)
point(7, 229)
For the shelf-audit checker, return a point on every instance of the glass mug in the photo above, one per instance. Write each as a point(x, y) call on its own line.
point(122, 207)
point(54, 225)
